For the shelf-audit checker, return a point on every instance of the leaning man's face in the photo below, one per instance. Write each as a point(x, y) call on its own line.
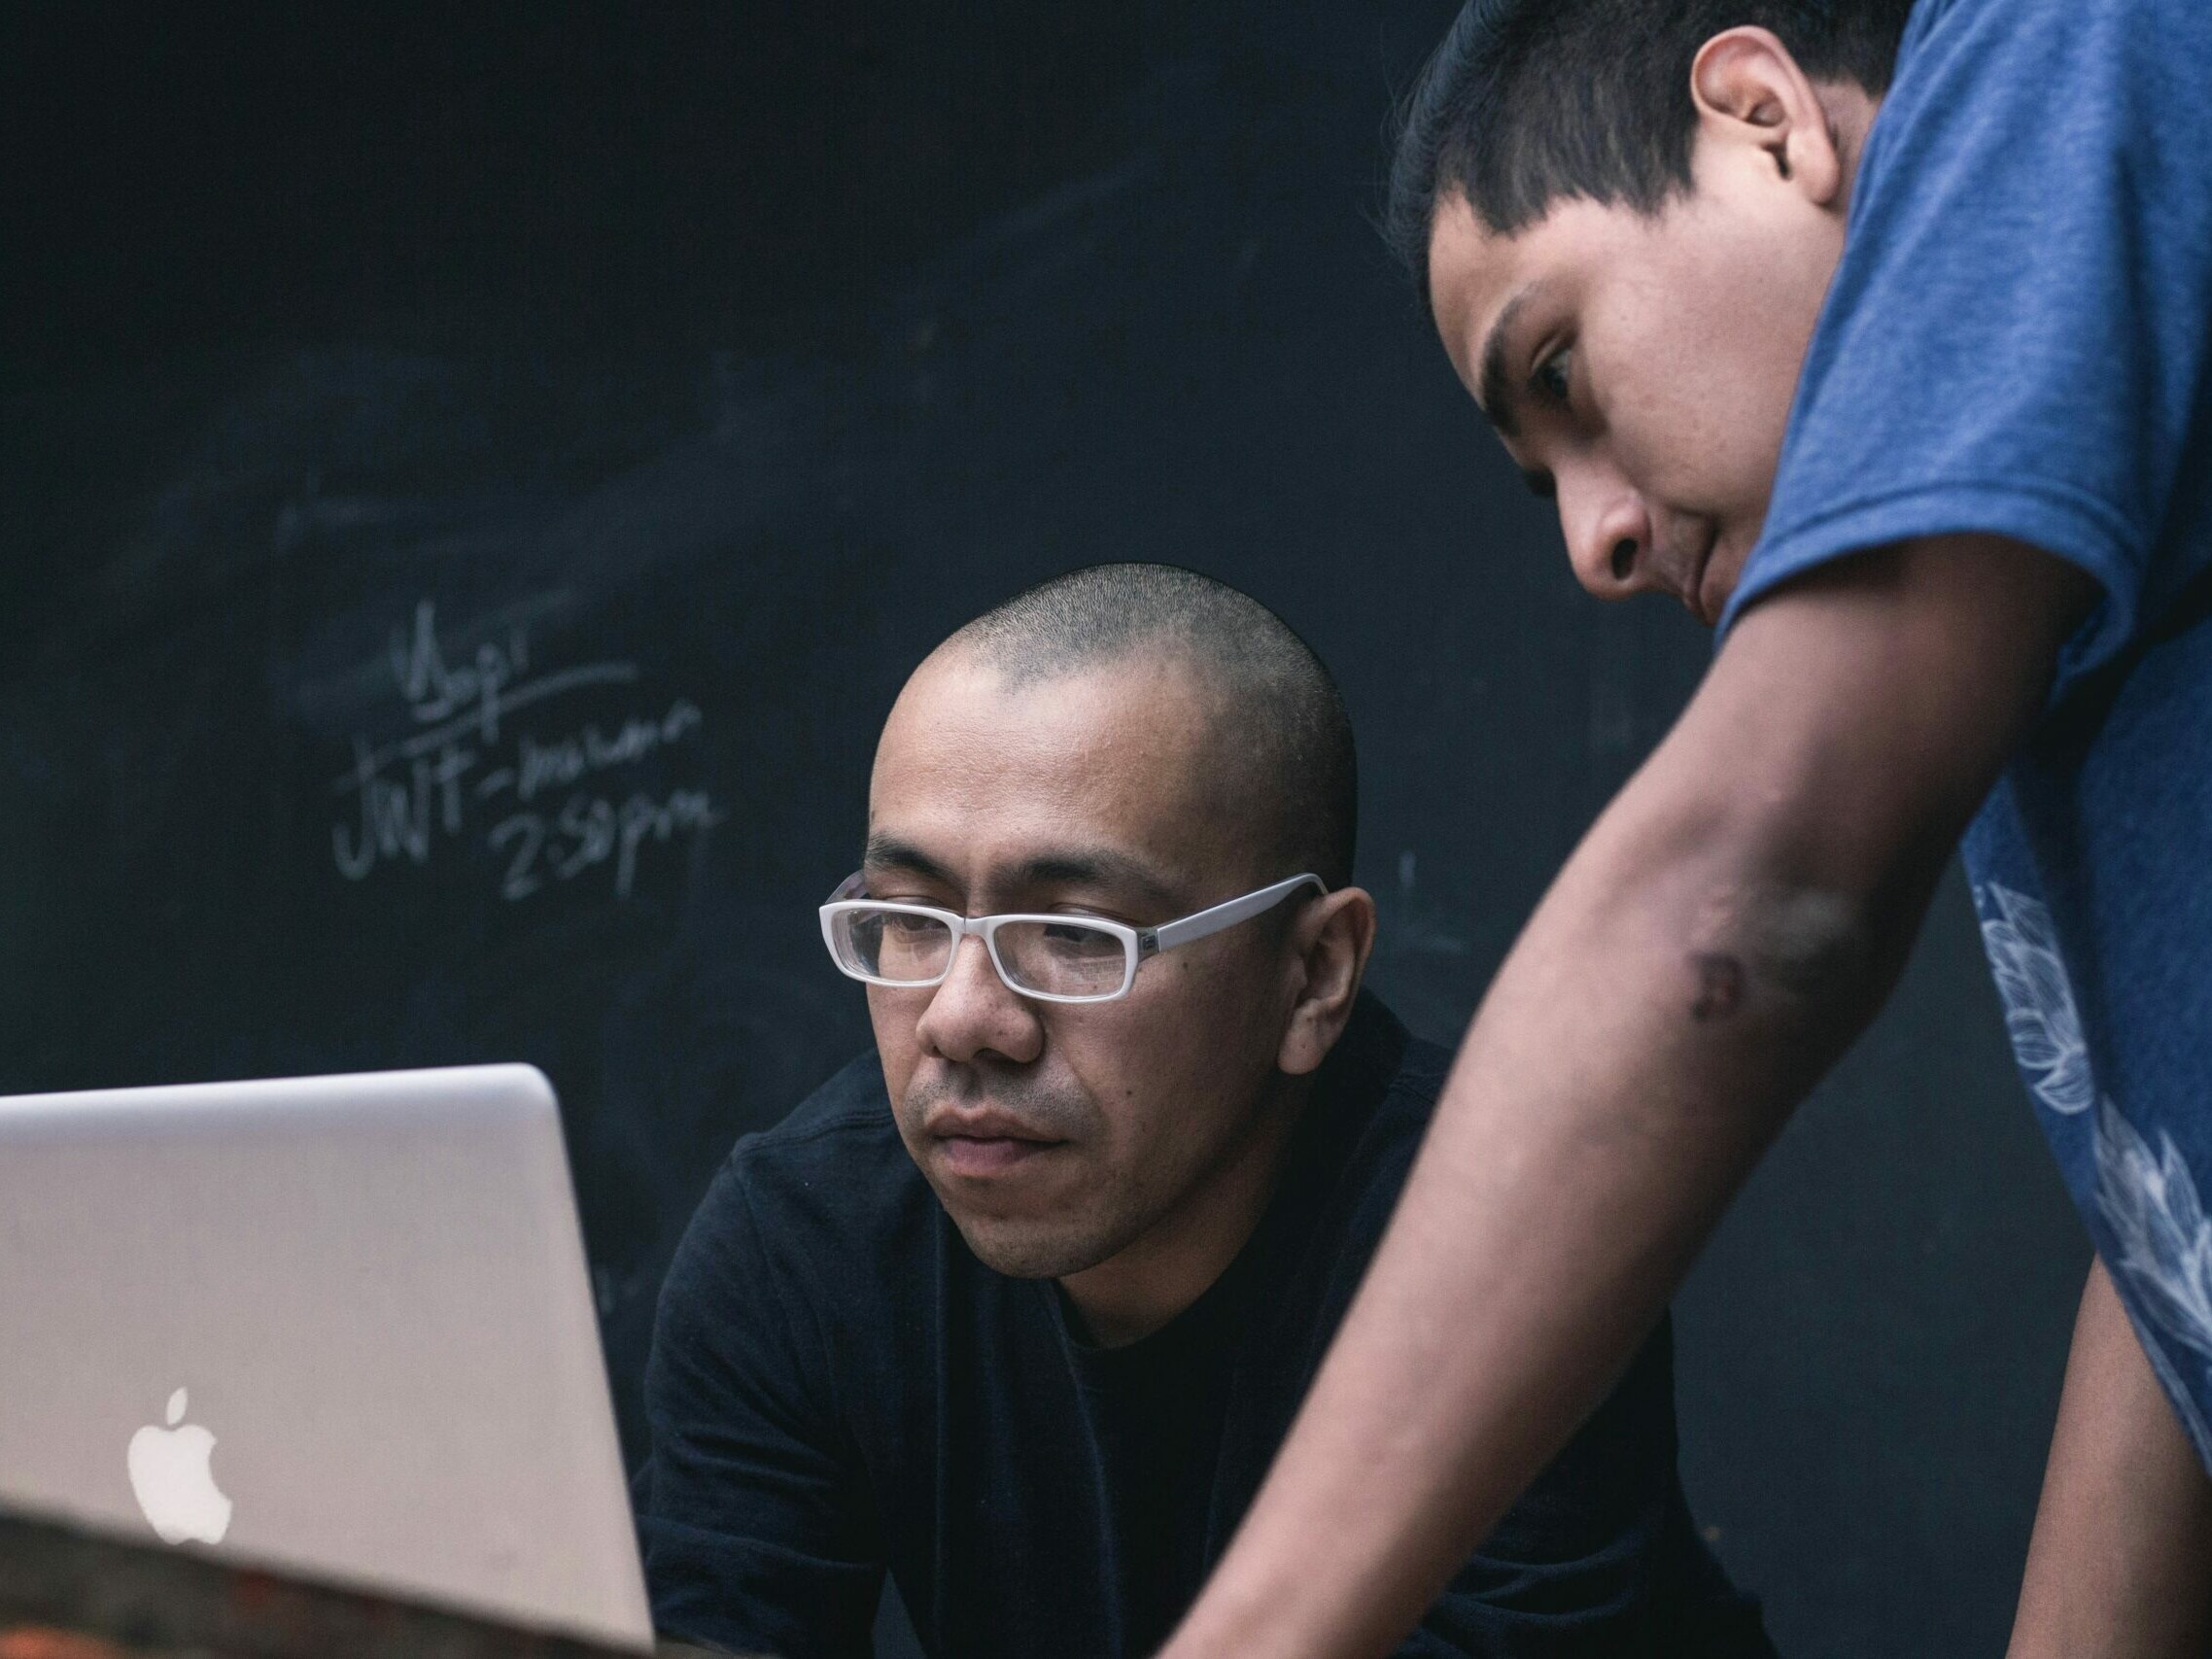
point(1639, 369)
point(1059, 1135)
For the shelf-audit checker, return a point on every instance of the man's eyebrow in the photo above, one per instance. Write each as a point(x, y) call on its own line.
point(889, 853)
point(1497, 395)
point(1072, 866)
point(1099, 867)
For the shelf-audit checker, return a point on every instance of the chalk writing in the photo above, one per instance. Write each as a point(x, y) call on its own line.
point(590, 830)
point(418, 794)
point(435, 691)
point(396, 814)
point(549, 764)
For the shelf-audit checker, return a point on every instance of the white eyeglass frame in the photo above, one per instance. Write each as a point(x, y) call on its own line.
point(1137, 943)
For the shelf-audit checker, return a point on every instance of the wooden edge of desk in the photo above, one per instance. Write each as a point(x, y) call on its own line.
point(66, 1593)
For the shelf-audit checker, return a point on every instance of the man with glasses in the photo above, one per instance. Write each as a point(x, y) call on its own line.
point(1019, 1306)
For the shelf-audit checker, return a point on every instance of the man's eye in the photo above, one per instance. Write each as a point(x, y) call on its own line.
point(1554, 376)
point(1072, 942)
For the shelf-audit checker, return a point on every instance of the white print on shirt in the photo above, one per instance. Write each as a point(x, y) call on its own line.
point(2039, 1002)
point(2149, 1198)
point(2149, 1202)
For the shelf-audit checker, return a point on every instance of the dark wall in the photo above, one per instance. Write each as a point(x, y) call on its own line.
point(475, 481)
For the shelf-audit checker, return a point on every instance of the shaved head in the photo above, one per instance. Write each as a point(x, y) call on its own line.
point(1282, 741)
point(1133, 744)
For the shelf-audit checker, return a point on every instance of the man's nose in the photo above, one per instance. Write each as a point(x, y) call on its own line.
point(1609, 533)
point(974, 1012)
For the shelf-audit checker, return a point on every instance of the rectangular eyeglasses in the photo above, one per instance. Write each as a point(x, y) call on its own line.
point(1054, 958)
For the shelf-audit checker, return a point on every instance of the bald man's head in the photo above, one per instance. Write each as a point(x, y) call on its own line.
point(1282, 742)
point(1132, 745)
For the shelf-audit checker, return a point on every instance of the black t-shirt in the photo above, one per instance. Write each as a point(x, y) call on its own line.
point(839, 1388)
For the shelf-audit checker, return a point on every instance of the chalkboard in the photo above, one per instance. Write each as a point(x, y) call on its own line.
point(488, 684)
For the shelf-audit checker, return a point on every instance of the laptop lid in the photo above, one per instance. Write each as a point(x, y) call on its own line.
point(342, 1324)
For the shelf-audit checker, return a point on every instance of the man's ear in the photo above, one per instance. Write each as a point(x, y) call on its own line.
point(1751, 95)
point(1331, 939)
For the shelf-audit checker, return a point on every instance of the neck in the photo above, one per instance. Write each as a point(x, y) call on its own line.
point(1850, 111)
point(1174, 1262)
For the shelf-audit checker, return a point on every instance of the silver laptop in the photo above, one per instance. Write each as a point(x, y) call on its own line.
point(337, 1324)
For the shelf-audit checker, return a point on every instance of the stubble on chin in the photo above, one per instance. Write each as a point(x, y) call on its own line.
point(1030, 1248)
point(1051, 1240)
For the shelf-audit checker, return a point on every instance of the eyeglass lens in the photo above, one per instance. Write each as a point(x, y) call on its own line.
point(1058, 958)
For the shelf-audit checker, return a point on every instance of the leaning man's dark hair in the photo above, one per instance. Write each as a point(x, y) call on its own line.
point(1285, 734)
point(1528, 101)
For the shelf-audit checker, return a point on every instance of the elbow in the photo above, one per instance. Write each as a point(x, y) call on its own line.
point(1762, 946)
point(1779, 944)
point(1763, 903)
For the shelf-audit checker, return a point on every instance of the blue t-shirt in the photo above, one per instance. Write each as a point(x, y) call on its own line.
point(2019, 340)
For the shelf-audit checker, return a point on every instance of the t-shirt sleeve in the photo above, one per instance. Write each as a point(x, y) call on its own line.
point(2014, 341)
point(755, 1526)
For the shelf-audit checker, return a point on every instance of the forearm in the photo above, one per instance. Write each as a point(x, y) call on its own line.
point(1727, 928)
point(1619, 1082)
point(2121, 1563)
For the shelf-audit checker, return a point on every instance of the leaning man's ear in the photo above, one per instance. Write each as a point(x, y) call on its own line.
point(1755, 103)
point(1327, 949)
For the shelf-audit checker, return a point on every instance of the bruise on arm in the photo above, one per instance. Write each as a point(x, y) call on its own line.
point(1720, 985)
point(1815, 788)
point(1804, 947)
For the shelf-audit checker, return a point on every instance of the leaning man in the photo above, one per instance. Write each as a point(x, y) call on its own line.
point(1019, 1306)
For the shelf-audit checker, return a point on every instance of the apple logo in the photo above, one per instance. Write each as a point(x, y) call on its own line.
point(170, 1477)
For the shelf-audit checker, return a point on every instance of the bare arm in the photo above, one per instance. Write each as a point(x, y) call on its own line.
point(1730, 924)
point(2121, 1566)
